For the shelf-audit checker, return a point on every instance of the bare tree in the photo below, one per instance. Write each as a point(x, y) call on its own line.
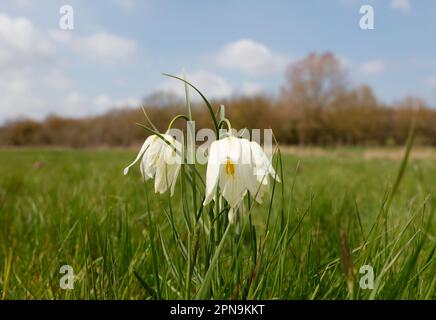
point(313, 85)
point(315, 81)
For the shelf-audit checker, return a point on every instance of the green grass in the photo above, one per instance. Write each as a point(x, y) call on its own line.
point(308, 240)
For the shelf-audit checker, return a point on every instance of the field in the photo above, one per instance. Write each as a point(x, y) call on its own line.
point(331, 215)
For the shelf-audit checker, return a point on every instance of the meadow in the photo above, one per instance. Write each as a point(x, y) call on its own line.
point(330, 216)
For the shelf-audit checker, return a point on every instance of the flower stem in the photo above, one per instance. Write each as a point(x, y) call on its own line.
point(177, 118)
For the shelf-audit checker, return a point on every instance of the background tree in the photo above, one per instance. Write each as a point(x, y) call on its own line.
point(313, 84)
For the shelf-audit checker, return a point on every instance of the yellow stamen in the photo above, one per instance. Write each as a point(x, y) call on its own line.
point(230, 168)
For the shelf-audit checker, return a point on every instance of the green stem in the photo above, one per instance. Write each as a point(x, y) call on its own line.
point(148, 119)
point(212, 114)
point(177, 118)
point(227, 122)
point(216, 218)
point(188, 103)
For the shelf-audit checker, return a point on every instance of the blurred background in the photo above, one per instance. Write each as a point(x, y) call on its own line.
point(306, 69)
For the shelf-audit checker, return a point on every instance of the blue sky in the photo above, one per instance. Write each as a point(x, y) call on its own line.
point(118, 48)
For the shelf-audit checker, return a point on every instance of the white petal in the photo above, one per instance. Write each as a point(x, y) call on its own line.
point(247, 167)
point(167, 164)
point(263, 164)
point(151, 156)
point(230, 148)
point(160, 179)
point(173, 153)
point(232, 187)
point(141, 151)
point(176, 173)
point(212, 173)
point(231, 215)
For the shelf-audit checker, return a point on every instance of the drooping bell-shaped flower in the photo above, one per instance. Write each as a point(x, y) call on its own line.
point(161, 161)
point(236, 166)
point(263, 169)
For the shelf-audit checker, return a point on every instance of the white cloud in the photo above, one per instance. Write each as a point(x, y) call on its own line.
point(76, 104)
point(252, 58)
point(211, 85)
point(29, 67)
point(30, 93)
point(252, 88)
point(17, 99)
point(25, 95)
point(104, 103)
point(33, 82)
point(21, 44)
point(103, 48)
point(373, 67)
point(55, 78)
point(402, 5)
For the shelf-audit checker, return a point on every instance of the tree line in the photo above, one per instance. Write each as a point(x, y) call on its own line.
point(317, 105)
